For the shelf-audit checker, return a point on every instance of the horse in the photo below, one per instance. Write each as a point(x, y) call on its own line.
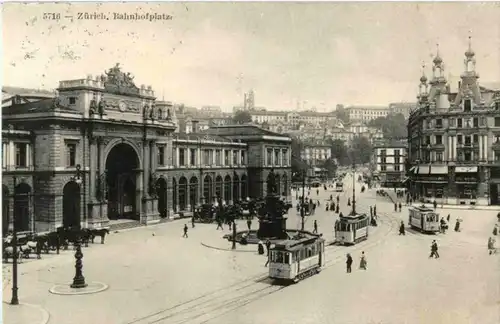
point(99, 232)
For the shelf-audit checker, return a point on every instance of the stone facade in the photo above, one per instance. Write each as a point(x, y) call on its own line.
point(102, 149)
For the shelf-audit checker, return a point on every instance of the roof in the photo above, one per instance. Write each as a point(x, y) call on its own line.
point(44, 105)
point(423, 208)
point(25, 91)
point(240, 130)
point(200, 136)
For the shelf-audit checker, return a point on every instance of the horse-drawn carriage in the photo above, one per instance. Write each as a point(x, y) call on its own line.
point(33, 243)
point(205, 213)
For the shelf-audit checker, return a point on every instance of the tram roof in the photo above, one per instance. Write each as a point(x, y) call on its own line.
point(297, 244)
point(351, 217)
point(423, 208)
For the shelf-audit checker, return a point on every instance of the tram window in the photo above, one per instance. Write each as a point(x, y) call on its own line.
point(287, 258)
point(280, 257)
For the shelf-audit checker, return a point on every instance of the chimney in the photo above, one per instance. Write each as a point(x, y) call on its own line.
point(196, 128)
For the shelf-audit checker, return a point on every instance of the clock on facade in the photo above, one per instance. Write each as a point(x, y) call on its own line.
point(122, 106)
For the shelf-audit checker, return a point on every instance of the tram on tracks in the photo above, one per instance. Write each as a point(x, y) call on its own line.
point(339, 186)
point(424, 219)
point(297, 258)
point(352, 229)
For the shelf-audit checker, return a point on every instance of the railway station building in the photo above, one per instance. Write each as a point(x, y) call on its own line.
point(103, 151)
point(454, 138)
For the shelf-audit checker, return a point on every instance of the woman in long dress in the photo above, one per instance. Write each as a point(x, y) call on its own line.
point(362, 262)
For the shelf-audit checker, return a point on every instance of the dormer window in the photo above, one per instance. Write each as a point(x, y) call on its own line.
point(467, 105)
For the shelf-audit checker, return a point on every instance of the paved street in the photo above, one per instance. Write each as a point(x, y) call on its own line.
point(154, 270)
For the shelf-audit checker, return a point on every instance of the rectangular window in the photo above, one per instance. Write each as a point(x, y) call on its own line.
point(70, 154)
point(482, 121)
point(383, 152)
point(439, 157)
point(459, 139)
point(243, 157)
point(160, 155)
point(182, 157)
point(459, 123)
point(192, 156)
point(21, 155)
point(397, 160)
point(497, 105)
point(439, 139)
point(383, 167)
point(467, 105)
point(218, 157)
point(383, 159)
point(475, 122)
point(269, 156)
point(452, 122)
point(439, 123)
point(277, 157)
point(206, 157)
point(468, 140)
point(72, 100)
point(5, 154)
point(475, 138)
point(396, 167)
point(174, 155)
point(427, 140)
point(285, 157)
point(497, 121)
point(235, 157)
point(397, 153)
point(226, 157)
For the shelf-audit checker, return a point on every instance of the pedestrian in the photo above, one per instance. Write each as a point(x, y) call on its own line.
point(402, 228)
point(260, 248)
point(362, 261)
point(185, 231)
point(448, 218)
point(457, 225)
point(192, 221)
point(395, 207)
point(348, 263)
point(338, 199)
point(230, 224)
point(375, 211)
point(435, 204)
point(348, 201)
point(268, 246)
point(219, 224)
point(326, 208)
point(249, 224)
point(337, 209)
point(315, 231)
point(495, 230)
point(317, 192)
point(399, 205)
point(434, 250)
point(371, 211)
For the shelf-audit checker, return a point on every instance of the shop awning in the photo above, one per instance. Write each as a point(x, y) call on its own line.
point(464, 169)
point(424, 169)
point(439, 169)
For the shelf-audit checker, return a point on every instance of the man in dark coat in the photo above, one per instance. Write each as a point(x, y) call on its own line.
point(349, 263)
point(402, 229)
point(268, 246)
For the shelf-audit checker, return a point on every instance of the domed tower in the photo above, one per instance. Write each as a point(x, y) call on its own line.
point(423, 87)
point(469, 94)
point(438, 93)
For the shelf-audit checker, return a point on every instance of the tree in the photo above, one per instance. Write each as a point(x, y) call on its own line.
point(393, 126)
point(330, 166)
point(339, 151)
point(361, 150)
point(242, 117)
point(342, 114)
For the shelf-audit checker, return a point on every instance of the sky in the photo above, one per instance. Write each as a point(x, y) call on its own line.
point(315, 54)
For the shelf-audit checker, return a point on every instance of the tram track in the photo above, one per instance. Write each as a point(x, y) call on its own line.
point(217, 303)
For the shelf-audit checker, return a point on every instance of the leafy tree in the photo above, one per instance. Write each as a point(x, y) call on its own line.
point(342, 114)
point(339, 151)
point(330, 166)
point(242, 117)
point(393, 126)
point(361, 150)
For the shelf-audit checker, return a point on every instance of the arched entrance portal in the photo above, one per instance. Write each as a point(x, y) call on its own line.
point(236, 188)
point(22, 194)
point(121, 176)
point(227, 188)
point(5, 210)
point(71, 204)
point(193, 192)
point(244, 192)
point(182, 193)
point(218, 187)
point(207, 189)
point(161, 192)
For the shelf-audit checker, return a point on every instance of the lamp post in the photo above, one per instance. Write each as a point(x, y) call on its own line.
point(353, 186)
point(15, 298)
point(302, 205)
point(79, 279)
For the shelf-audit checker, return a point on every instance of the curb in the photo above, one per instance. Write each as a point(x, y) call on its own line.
point(45, 314)
point(224, 249)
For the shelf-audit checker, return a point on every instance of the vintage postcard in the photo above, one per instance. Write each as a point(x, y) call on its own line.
point(251, 162)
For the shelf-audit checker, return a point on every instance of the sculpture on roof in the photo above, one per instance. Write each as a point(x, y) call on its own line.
point(101, 107)
point(120, 82)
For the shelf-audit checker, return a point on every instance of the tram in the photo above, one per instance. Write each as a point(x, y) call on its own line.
point(339, 186)
point(351, 229)
point(424, 219)
point(297, 258)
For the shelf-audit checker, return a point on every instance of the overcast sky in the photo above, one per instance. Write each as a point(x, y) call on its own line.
point(210, 53)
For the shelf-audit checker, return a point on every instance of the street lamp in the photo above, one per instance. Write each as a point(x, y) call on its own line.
point(15, 298)
point(79, 279)
point(353, 212)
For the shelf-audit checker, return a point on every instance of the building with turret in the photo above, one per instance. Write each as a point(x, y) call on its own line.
point(454, 138)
